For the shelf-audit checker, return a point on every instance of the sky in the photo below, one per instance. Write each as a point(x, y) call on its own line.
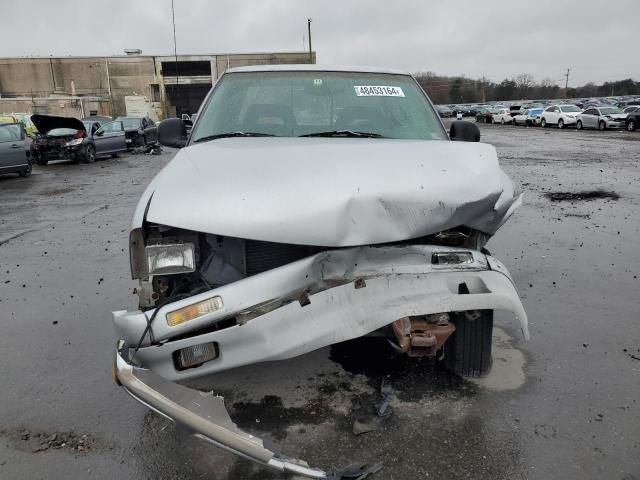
point(492, 38)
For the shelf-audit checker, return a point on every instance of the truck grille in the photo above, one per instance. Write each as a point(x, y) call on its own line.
point(263, 256)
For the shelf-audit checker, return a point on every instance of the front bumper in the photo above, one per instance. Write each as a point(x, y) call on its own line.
point(616, 124)
point(347, 293)
point(569, 120)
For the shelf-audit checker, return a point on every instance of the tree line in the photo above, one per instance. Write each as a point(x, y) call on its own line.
point(447, 90)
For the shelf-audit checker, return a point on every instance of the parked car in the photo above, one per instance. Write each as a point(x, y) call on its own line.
point(484, 115)
point(560, 115)
point(244, 255)
point(633, 120)
point(8, 119)
point(632, 108)
point(601, 118)
point(14, 150)
point(140, 131)
point(528, 117)
point(67, 138)
point(501, 115)
point(444, 112)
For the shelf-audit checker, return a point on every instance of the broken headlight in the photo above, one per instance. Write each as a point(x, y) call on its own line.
point(170, 259)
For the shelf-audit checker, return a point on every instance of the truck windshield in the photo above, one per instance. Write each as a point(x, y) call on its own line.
point(294, 104)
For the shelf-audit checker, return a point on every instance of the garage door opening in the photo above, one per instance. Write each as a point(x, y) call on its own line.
point(187, 98)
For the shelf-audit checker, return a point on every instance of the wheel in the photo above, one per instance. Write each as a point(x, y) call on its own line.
point(631, 125)
point(514, 123)
point(27, 171)
point(41, 158)
point(502, 121)
point(579, 125)
point(602, 125)
point(468, 351)
point(89, 154)
point(543, 123)
point(560, 124)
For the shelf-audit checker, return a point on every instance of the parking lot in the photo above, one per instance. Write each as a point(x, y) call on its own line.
point(564, 405)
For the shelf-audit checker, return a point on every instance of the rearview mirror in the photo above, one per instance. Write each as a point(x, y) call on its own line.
point(462, 131)
point(172, 132)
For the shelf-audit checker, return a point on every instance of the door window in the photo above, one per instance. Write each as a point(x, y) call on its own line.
point(10, 133)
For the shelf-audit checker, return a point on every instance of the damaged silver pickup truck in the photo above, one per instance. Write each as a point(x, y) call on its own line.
point(310, 206)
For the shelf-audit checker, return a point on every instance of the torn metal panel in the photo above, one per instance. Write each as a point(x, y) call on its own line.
point(419, 188)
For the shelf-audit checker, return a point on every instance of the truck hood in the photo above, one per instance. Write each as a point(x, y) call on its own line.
point(330, 191)
point(45, 123)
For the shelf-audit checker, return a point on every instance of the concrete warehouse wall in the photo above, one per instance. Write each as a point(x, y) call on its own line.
point(113, 78)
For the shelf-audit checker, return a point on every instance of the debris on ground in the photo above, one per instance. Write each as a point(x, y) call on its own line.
point(356, 472)
point(369, 423)
point(38, 441)
point(581, 196)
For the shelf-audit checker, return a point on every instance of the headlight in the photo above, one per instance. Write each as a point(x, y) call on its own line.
point(73, 143)
point(170, 259)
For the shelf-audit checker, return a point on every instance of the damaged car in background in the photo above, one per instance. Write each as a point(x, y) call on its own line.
point(309, 207)
point(67, 138)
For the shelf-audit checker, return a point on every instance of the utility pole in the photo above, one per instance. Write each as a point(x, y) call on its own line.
point(566, 82)
point(175, 45)
point(309, 34)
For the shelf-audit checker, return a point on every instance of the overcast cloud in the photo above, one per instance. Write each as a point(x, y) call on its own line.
point(494, 38)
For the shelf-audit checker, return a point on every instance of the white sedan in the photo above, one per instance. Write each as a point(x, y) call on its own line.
point(560, 115)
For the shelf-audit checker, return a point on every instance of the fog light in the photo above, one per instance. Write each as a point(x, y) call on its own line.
point(196, 355)
point(191, 312)
point(451, 258)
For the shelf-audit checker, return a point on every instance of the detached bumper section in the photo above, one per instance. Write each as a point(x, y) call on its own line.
point(203, 414)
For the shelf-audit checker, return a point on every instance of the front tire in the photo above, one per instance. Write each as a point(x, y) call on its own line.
point(602, 125)
point(560, 124)
point(543, 123)
point(579, 125)
point(40, 157)
point(502, 121)
point(631, 126)
point(468, 351)
point(27, 171)
point(89, 154)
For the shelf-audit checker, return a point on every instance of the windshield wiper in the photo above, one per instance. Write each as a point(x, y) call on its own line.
point(233, 134)
point(343, 133)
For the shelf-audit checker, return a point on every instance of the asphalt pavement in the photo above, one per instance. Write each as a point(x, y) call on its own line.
point(564, 405)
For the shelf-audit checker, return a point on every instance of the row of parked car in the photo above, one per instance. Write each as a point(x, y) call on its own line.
point(601, 117)
point(44, 137)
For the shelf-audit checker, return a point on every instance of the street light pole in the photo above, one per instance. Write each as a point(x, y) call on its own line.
point(309, 34)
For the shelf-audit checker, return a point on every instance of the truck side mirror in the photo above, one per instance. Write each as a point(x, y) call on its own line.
point(172, 132)
point(462, 131)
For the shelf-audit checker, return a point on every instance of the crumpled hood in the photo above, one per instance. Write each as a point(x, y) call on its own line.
point(330, 191)
point(45, 123)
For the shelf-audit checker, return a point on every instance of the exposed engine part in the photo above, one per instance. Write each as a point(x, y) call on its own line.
point(423, 336)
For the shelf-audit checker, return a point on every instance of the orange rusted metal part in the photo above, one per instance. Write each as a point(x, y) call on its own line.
point(420, 336)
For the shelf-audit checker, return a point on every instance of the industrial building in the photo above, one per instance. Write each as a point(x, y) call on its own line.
point(158, 86)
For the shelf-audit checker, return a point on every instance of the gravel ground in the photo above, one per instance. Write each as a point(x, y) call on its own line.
point(564, 405)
